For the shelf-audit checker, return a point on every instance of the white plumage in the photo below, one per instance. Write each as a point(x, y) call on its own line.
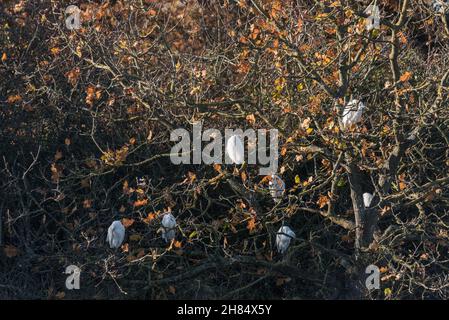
point(439, 6)
point(235, 149)
point(373, 21)
point(116, 234)
point(367, 198)
point(276, 187)
point(283, 238)
point(352, 113)
point(168, 227)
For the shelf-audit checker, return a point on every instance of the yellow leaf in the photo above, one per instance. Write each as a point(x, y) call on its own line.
point(297, 179)
point(55, 51)
point(193, 234)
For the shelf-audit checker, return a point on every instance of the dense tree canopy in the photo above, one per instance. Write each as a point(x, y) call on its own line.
point(85, 122)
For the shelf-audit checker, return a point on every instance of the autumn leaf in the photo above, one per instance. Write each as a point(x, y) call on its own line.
point(58, 155)
point(151, 216)
point(322, 201)
point(140, 203)
point(251, 224)
point(297, 179)
point(135, 237)
point(251, 119)
point(87, 203)
point(217, 167)
point(177, 244)
point(4, 57)
point(405, 77)
point(55, 51)
point(60, 295)
point(14, 98)
point(127, 222)
point(172, 289)
point(10, 251)
point(282, 280)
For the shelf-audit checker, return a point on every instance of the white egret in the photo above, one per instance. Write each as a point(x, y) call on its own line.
point(235, 149)
point(276, 187)
point(283, 238)
point(116, 234)
point(440, 6)
point(168, 227)
point(352, 113)
point(373, 20)
point(367, 198)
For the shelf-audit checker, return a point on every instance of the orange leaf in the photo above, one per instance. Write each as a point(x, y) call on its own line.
point(322, 201)
point(55, 51)
point(14, 99)
point(149, 218)
point(177, 244)
point(140, 203)
point(405, 77)
point(251, 118)
point(251, 224)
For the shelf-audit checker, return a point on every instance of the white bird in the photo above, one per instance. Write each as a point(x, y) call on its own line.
point(168, 227)
point(235, 149)
point(116, 234)
point(276, 187)
point(283, 238)
point(352, 113)
point(373, 20)
point(439, 6)
point(367, 198)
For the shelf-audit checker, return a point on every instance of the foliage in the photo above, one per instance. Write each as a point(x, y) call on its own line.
point(84, 114)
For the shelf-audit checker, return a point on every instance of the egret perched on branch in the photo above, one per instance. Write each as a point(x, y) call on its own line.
point(235, 149)
point(440, 6)
point(373, 20)
point(283, 238)
point(276, 187)
point(367, 198)
point(168, 227)
point(116, 234)
point(352, 113)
